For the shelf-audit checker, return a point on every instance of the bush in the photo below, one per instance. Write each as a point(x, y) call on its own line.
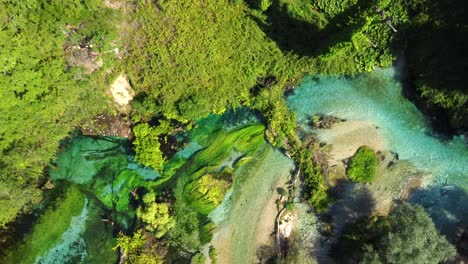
point(363, 165)
point(316, 188)
point(213, 254)
point(155, 216)
point(147, 144)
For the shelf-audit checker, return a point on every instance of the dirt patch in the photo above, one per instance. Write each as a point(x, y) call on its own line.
point(113, 4)
point(108, 125)
point(286, 225)
point(121, 91)
point(77, 56)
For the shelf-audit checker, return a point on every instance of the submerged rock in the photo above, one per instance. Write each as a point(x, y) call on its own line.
point(324, 121)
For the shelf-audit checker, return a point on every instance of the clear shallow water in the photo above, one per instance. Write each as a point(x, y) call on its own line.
point(376, 97)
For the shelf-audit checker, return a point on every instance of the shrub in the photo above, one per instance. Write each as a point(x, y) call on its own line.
point(363, 165)
point(155, 216)
point(213, 255)
point(147, 144)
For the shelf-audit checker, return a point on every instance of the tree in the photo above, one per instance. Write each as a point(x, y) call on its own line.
point(185, 235)
point(43, 97)
point(133, 250)
point(155, 215)
point(147, 144)
point(406, 235)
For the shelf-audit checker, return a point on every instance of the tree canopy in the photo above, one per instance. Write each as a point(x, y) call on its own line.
point(406, 235)
point(42, 95)
point(155, 215)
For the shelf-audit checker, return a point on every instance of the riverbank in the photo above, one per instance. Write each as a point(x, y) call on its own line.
point(346, 137)
point(251, 218)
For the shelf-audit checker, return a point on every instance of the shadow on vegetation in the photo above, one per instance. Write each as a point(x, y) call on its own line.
point(448, 207)
point(437, 60)
point(303, 37)
point(291, 34)
point(266, 254)
point(353, 202)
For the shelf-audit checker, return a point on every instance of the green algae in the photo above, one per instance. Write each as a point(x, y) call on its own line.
point(103, 167)
point(199, 184)
point(98, 237)
point(48, 229)
point(104, 177)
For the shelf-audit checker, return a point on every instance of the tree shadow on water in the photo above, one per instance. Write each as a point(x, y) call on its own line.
point(354, 201)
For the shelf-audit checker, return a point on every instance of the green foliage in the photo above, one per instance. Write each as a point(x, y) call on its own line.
point(199, 258)
point(155, 215)
point(134, 249)
point(130, 244)
point(147, 144)
point(200, 61)
point(316, 188)
point(333, 7)
point(407, 235)
point(363, 164)
point(185, 235)
point(265, 4)
point(436, 59)
point(213, 254)
point(43, 96)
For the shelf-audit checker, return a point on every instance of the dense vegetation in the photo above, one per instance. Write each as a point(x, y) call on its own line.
point(188, 64)
point(42, 94)
point(362, 165)
point(437, 60)
point(406, 235)
point(185, 61)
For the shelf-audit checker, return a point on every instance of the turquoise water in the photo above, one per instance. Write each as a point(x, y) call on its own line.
point(377, 97)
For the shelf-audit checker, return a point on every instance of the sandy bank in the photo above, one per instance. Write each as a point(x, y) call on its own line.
point(347, 137)
point(252, 215)
point(265, 225)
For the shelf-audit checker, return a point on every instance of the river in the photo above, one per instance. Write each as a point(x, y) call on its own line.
point(376, 97)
